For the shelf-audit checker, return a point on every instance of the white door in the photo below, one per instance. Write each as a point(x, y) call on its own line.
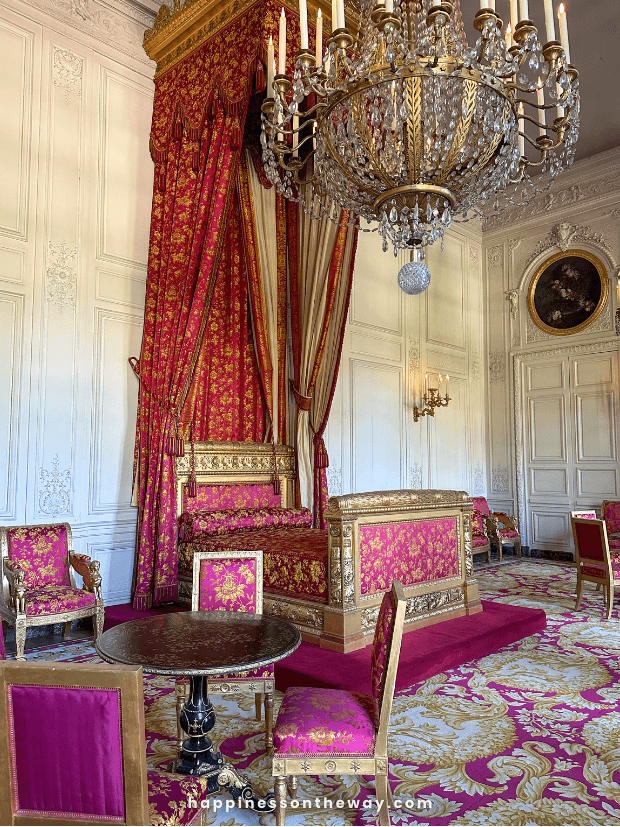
point(571, 436)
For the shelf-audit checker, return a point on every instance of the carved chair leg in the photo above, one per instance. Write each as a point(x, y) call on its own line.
point(66, 628)
point(579, 592)
point(98, 621)
point(258, 705)
point(280, 793)
point(518, 548)
point(20, 639)
point(269, 723)
point(598, 587)
point(610, 600)
point(382, 786)
point(291, 786)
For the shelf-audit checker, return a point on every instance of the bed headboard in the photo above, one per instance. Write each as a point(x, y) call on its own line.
point(236, 475)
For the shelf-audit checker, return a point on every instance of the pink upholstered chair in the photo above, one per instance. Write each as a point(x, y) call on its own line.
point(502, 530)
point(232, 581)
point(333, 732)
point(39, 584)
point(480, 543)
point(73, 750)
point(610, 512)
point(594, 562)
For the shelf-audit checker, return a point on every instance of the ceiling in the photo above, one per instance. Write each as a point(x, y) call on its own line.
point(593, 27)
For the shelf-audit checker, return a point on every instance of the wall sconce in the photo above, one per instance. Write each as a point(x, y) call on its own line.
point(432, 398)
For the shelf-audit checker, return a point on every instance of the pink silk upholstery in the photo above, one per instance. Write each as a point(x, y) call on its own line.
point(419, 551)
point(481, 505)
point(599, 571)
point(229, 521)
point(508, 533)
point(477, 526)
point(54, 599)
point(381, 644)
point(294, 562)
point(74, 771)
point(610, 512)
point(478, 540)
point(218, 497)
point(169, 795)
point(313, 720)
point(228, 585)
point(41, 552)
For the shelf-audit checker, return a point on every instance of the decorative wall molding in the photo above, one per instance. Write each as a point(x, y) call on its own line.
point(563, 235)
point(449, 362)
point(55, 493)
point(61, 288)
point(478, 480)
point(120, 25)
point(334, 480)
point(513, 297)
point(519, 437)
point(495, 257)
point(414, 355)
point(476, 365)
point(415, 474)
point(497, 367)
point(555, 199)
point(499, 479)
point(67, 70)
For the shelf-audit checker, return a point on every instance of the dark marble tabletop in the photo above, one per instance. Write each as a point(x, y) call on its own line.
point(199, 643)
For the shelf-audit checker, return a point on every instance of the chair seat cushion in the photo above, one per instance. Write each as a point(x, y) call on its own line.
point(599, 571)
point(314, 720)
point(169, 795)
point(50, 600)
point(478, 540)
point(508, 534)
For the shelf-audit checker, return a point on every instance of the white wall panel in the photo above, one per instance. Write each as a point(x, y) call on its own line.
point(126, 174)
point(595, 427)
point(446, 296)
point(16, 45)
point(545, 481)
point(11, 321)
point(547, 429)
point(376, 300)
point(12, 263)
point(116, 397)
point(120, 288)
point(449, 441)
point(377, 399)
point(550, 528)
point(546, 377)
point(599, 482)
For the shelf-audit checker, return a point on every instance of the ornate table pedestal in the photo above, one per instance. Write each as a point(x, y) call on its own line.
point(196, 645)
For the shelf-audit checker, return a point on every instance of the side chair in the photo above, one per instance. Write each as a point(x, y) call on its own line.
point(334, 732)
point(232, 581)
point(73, 750)
point(38, 582)
point(594, 561)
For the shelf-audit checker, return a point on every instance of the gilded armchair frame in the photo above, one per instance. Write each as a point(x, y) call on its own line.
point(12, 605)
point(493, 529)
point(286, 769)
point(261, 688)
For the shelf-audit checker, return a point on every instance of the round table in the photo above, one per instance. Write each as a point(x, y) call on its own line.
point(199, 644)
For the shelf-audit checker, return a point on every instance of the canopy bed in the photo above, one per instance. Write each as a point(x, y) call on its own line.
point(329, 583)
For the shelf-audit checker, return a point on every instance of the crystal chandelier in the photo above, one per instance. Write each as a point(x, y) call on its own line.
point(404, 125)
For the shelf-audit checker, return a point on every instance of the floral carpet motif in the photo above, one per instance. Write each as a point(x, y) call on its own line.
point(529, 735)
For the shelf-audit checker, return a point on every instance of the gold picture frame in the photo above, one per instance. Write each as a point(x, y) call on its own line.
point(568, 292)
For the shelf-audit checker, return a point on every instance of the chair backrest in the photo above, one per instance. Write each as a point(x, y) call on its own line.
point(610, 512)
point(229, 581)
point(481, 505)
point(591, 544)
point(72, 744)
point(385, 654)
point(584, 515)
point(42, 551)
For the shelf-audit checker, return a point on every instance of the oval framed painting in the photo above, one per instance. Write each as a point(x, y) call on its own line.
point(568, 292)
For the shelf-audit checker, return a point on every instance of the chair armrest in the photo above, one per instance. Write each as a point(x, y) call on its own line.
point(491, 524)
point(505, 520)
point(89, 571)
point(17, 585)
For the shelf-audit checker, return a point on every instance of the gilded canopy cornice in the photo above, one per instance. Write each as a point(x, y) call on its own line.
point(179, 31)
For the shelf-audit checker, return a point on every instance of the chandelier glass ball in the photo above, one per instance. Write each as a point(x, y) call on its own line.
point(414, 277)
point(405, 126)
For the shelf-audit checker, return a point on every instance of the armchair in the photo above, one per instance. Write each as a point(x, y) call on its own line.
point(610, 512)
point(333, 732)
point(38, 564)
point(73, 750)
point(480, 543)
point(232, 581)
point(502, 529)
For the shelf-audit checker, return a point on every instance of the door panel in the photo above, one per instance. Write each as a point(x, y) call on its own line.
point(548, 430)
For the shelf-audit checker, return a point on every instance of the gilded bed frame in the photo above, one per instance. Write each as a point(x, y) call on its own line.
point(347, 621)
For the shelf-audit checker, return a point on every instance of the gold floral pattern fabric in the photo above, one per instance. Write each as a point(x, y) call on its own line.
point(55, 599)
point(170, 796)
point(233, 521)
point(41, 552)
point(228, 584)
point(294, 559)
point(221, 497)
point(418, 551)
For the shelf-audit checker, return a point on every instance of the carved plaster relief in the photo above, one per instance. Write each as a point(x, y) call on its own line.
point(495, 257)
point(563, 235)
point(55, 494)
point(478, 480)
point(415, 475)
point(334, 480)
point(604, 323)
point(497, 367)
point(67, 72)
point(61, 287)
point(499, 479)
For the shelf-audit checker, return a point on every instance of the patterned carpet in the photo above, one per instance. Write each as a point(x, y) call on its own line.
point(528, 735)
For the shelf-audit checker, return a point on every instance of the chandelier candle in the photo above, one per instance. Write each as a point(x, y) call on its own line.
point(549, 20)
point(271, 63)
point(319, 40)
point(514, 18)
point(415, 128)
point(282, 45)
point(564, 31)
point(303, 24)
